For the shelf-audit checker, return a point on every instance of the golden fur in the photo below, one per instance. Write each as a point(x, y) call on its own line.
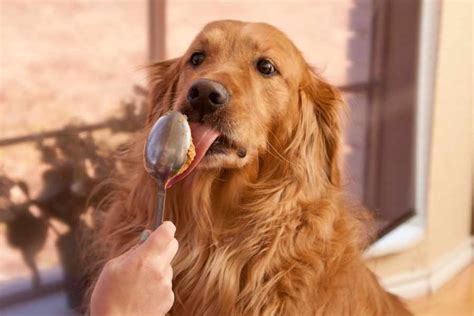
point(269, 234)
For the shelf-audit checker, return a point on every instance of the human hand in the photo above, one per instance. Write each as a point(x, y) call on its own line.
point(139, 281)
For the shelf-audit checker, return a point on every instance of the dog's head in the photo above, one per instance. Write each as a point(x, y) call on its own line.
point(252, 94)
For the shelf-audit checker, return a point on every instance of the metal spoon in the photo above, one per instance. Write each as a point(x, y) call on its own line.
point(165, 154)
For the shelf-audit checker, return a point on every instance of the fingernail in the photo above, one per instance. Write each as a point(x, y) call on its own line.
point(144, 235)
point(170, 226)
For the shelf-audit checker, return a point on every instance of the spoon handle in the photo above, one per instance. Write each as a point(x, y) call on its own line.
point(160, 205)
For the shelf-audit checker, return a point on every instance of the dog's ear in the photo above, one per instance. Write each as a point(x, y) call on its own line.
point(325, 102)
point(163, 79)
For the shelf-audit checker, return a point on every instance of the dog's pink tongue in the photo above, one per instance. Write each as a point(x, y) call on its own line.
point(203, 137)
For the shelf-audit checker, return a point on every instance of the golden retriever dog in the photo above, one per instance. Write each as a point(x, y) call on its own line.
point(262, 224)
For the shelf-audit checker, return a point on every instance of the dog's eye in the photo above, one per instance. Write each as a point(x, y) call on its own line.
point(197, 58)
point(265, 67)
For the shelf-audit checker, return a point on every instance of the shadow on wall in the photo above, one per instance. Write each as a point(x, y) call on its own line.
point(76, 163)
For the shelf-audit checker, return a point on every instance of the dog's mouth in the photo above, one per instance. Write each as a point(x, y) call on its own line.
point(207, 142)
point(221, 145)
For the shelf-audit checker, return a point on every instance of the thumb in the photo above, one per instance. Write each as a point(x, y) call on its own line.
point(143, 237)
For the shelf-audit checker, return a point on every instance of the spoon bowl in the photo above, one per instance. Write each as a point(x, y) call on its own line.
point(166, 152)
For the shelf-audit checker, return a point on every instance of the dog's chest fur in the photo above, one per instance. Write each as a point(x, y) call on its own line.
point(273, 261)
point(274, 250)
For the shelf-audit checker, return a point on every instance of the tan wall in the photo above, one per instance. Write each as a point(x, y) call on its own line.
point(61, 62)
point(449, 183)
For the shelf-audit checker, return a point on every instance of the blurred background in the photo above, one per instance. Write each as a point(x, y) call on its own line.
point(73, 91)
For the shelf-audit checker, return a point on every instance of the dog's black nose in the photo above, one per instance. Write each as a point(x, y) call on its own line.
point(206, 96)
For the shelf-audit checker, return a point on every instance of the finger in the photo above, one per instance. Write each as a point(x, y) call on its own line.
point(127, 253)
point(168, 274)
point(160, 262)
point(159, 239)
point(170, 252)
point(167, 302)
point(144, 236)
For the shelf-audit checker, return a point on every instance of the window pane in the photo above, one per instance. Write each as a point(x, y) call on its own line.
point(61, 62)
